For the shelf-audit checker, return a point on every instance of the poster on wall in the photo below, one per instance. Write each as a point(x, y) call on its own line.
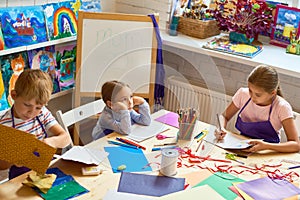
point(66, 65)
point(286, 25)
point(12, 66)
point(44, 59)
point(61, 19)
point(23, 26)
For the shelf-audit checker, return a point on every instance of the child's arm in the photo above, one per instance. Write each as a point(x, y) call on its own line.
point(60, 138)
point(143, 117)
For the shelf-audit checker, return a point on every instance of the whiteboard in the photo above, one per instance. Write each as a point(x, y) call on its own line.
point(115, 46)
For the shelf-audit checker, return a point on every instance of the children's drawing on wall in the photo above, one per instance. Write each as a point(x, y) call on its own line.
point(3, 100)
point(91, 6)
point(2, 45)
point(23, 26)
point(11, 67)
point(66, 65)
point(61, 20)
point(286, 25)
point(44, 59)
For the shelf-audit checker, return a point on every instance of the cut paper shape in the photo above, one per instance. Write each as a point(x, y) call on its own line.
point(64, 187)
point(170, 118)
point(202, 191)
point(85, 155)
point(21, 148)
point(269, 189)
point(221, 182)
point(24, 25)
point(134, 159)
point(149, 184)
point(193, 178)
point(141, 132)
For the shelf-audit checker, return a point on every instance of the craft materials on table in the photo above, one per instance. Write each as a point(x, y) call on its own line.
point(134, 160)
point(24, 149)
point(169, 162)
point(151, 185)
point(187, 121)
point(142, 132)
point(64, 186)
point(129, 142)
point(170, 118)
point(269, 188)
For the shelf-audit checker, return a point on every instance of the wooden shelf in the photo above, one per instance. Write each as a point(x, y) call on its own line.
point(39, 45)
point(62, 93)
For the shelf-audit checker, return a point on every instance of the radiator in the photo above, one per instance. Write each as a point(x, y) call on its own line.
point(181, 94)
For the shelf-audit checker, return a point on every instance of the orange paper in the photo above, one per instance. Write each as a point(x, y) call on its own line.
point(21, 148)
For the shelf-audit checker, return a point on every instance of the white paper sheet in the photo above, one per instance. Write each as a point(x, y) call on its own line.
point(85, 155)
point(230, 141)
point(140, 132)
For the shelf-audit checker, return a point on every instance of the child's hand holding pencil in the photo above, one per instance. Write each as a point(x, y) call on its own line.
point(220, 132)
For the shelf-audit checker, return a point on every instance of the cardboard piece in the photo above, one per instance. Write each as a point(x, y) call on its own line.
point(21, 148)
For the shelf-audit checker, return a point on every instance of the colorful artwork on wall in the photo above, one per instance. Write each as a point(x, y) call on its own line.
point(23, 25)
point(44, 59)
point(12, 66)
point(91, 6)
point(66, 65)
point(286, 25)
point(61, 20)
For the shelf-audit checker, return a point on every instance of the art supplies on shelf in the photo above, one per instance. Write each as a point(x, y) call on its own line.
point(187, 122)
point(223, 44)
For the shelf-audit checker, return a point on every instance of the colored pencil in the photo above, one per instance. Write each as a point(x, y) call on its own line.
point(121, 144)
point(131, 143)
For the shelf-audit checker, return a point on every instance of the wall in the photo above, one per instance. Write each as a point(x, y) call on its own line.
point(220, 75)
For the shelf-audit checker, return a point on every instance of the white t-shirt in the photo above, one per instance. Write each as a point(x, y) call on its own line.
point(281, 109)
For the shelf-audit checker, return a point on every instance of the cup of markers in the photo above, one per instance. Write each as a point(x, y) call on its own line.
point(187, 121)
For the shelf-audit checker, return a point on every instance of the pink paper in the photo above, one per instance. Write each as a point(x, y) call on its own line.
point(170, 118)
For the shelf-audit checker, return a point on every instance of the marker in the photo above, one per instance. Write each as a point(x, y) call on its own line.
point(160, 148)
point(131, 143)
point(294, 167)
point(121, 144)
point(202, 136)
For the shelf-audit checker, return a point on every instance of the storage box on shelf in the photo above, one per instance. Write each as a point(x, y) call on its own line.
point(198, 28)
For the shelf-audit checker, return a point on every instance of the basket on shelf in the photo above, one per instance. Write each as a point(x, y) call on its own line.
point(198, 28)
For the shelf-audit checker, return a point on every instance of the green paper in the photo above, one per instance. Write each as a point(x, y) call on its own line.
point(64, 191)
point(221, 182)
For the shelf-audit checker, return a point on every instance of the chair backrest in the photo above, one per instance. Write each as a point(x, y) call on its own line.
point(297, 122)
point(79, 113)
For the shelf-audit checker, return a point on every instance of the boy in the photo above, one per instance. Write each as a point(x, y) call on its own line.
point(31, 93)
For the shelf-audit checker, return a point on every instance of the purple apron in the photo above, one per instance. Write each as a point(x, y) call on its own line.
point(257, 130)
point(15, 171)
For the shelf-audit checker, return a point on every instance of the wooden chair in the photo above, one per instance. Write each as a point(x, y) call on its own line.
point(76, 115)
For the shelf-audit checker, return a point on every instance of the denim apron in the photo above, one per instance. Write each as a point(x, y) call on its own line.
point(15, 171)
point(257, 130)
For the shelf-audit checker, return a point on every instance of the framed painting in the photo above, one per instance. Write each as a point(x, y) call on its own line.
point(286, 25)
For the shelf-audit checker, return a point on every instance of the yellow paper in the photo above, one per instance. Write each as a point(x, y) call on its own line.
point(23, 149)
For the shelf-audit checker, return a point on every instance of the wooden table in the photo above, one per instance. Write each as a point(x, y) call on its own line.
point(99, 185)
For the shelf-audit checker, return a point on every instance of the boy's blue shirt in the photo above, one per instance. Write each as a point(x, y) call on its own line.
point(121, 122)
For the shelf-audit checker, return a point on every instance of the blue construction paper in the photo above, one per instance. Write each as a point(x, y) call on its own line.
point(149, 184)
point(134, 159)
point(269, 189)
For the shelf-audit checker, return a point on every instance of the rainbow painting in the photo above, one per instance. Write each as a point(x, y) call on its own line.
point(23, 26)
point(61, 20)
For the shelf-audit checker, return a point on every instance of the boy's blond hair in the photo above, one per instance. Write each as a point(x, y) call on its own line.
point(34, 84)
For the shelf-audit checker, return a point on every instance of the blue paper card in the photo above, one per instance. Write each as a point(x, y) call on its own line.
point(133, 159)
point(149, 184)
